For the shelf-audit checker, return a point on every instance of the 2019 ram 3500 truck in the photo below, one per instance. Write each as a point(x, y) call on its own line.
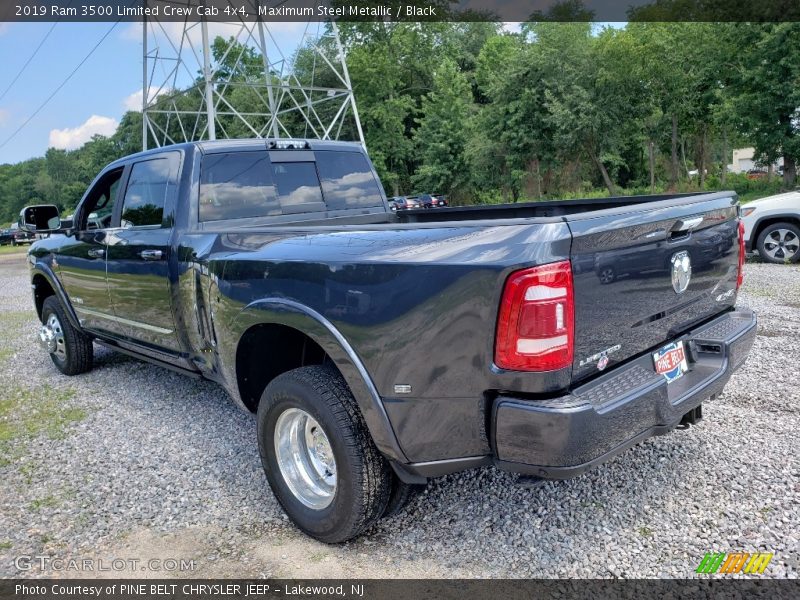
point(382, 348)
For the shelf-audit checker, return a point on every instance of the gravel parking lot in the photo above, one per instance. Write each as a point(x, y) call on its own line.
point(133, 461)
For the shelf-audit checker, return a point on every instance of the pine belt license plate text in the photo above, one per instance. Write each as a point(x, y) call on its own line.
point(670, 361)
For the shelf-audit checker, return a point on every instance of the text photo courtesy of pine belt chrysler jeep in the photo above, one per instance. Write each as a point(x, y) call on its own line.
point(382, 348)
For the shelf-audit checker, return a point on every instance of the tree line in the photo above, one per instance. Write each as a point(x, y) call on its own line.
point(553, 110)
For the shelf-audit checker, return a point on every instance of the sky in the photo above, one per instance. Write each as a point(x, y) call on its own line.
point(103, 88)
point(93, 101)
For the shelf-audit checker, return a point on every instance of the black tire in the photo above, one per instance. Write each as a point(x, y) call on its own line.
point(78, 350)
point(765, 244)
point(402, 493)
point(363, 476)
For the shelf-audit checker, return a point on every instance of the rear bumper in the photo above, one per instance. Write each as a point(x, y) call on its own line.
point(563, 437)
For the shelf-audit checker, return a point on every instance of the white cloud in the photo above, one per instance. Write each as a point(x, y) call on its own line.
point(134, 101)
point(69, 139)
point(4, 27)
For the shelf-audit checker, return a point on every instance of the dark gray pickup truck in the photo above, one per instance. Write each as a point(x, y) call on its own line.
point(382, 348)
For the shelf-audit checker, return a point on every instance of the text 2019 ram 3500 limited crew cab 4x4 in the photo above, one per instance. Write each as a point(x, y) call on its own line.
point(382, 348)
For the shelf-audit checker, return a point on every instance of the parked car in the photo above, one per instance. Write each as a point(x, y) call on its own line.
point(772, 227)
point(427, 201)
point(6, 237)
point(20, 236)
point(377, 348)
point(403, 203)
point(431, 200)
point(757, 174)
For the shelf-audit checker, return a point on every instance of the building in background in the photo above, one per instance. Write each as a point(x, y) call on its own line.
point(744, 161)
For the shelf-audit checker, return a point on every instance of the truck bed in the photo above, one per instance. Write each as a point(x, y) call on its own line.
point(528, 210)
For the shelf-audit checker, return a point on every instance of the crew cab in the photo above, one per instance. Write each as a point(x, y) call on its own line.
point(379, 349)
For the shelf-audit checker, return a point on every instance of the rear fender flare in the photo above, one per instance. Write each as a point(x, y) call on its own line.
point(280, 311)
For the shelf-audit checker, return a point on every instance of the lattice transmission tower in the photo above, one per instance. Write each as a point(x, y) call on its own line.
point(260, 80)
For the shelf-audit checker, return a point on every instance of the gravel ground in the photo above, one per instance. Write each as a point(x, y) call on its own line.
point(147, 463)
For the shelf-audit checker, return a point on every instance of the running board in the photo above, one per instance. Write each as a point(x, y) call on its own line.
point(116, 348)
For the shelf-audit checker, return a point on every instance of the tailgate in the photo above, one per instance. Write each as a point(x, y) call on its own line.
point(629, 268)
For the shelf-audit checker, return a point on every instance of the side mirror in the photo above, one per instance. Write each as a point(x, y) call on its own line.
point(42, 218)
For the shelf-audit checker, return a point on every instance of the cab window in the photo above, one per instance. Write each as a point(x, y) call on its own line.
point(237, 185)
point(347, 180)
point(146, 194)
point(98, 208)
point(298, 187)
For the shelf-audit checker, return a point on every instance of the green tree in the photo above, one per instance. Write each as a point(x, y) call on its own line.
point(766, 92)
point(442, 135)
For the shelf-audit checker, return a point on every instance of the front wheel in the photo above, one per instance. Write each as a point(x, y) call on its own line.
point(320, 460)
point(779, 243)
point(70, 349)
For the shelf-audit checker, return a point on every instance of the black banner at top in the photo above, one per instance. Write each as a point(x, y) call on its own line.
point(400, 10)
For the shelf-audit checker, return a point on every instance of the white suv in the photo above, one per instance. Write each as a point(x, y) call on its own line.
point(772, 227)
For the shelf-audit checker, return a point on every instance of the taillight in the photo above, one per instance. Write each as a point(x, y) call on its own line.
point(740, 273)
point(536, 324)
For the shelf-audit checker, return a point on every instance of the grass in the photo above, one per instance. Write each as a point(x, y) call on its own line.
point(645, 532)
point(769, 333)
point(27, 413)
point(13, 250)
point(759, 292)
point(6, 545)
point(16, 318)
point(46, 502)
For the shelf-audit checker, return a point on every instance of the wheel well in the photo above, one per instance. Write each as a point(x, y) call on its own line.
point(265, 351)
point(762, 225)
point(41, 291)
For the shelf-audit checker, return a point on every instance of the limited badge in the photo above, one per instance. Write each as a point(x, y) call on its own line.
point(602, 363)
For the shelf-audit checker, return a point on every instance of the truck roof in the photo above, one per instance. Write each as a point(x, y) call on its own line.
point(214, 146)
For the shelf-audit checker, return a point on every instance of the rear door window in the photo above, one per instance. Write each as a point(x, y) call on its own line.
point(347, 180)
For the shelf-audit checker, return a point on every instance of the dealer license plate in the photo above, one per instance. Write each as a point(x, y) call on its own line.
point(670, 361)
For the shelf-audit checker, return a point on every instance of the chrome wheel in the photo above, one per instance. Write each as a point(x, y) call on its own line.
point(305, 458)
point(51, 335)
point(781, 244)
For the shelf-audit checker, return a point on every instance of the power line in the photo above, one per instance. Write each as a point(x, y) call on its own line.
point(32, 56)
point(61, 85)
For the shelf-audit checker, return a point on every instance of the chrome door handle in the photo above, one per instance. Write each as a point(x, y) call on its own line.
point(96, 253)
point(151, 254)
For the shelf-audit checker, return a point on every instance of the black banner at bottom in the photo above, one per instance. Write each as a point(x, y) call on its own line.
point(399, 589)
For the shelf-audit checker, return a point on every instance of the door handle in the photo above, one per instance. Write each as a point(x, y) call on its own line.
point(151, 254)
point(96, 253)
